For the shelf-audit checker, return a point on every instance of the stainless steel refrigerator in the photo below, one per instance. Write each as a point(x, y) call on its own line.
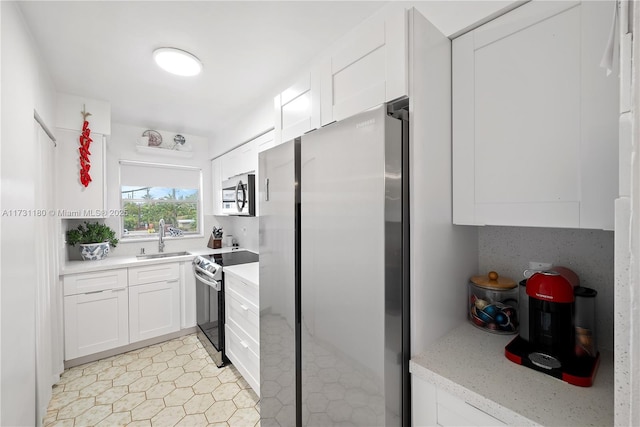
point(334, 294)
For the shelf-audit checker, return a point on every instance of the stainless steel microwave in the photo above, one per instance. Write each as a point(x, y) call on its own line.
point(239, 195)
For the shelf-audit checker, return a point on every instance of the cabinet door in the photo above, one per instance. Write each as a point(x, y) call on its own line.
point(534, 123)
point(369, 68)
point(95, 322)
point(266, 141)
point(74, 199)
point(297, 108)
point(154, 309)
point(240, 160)
point(216, 174)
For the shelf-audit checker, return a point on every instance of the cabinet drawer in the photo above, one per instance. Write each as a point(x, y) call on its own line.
point(95, 282)
point(453, 411)
point(243, 357)
point(154, 273)
point(243, 313)
point(244, 288)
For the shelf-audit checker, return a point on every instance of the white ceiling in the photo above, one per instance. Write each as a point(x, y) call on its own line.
point(103, 50)
point(251, 50)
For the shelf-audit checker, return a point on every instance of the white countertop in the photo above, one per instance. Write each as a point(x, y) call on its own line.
point(470, 364)
point(113, 262)
point(249, 272)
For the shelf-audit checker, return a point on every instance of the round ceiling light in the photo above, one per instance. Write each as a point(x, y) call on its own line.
point(177, 61)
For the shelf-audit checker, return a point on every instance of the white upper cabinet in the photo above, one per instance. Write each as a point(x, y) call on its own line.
point(535, 119)
point(216, 176)
point(243, 159)
point(297, 108)
point(369, 67)
point(266, 141)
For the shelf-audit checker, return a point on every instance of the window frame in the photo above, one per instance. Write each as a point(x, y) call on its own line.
point(127, 238)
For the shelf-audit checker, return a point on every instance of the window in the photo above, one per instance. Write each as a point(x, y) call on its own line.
point(151, 192)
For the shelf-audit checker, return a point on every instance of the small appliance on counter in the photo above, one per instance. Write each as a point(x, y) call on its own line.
point(493, 303)
point(559, 337)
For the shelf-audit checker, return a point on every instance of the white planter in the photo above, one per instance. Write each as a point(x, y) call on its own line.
point(94, 251)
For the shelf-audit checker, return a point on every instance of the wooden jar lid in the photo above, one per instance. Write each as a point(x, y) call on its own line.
point(493, 281)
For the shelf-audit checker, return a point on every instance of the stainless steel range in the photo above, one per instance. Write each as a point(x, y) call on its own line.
point(209, 274)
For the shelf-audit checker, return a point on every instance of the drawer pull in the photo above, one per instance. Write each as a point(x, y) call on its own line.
point(118, 289)
point(95, 292)
point(244, 307)
point(244, 344)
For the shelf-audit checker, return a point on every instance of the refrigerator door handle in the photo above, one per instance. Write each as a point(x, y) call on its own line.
point(266, 191)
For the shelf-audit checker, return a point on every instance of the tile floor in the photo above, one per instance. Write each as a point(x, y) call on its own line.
point(174, 383)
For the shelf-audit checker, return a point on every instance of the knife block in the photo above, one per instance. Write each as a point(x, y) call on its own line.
point(214, 243)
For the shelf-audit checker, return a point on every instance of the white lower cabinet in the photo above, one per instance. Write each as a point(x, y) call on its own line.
point(432, 406)
point(154, 301)
point(242, 328)
point(187, 296)
point(95, 320)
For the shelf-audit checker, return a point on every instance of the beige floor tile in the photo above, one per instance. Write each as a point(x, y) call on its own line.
point(116, 419)
point(170, 374)
point(140, 423)
point(93, 415)
point(193, 420)
point(198, 404)
point(188, 379)
point(127, 378)
point(167, 384)
point(128, 402)
point(164, 356)
point(154, 369)
point(244, 417)
point(206, 385)
point(195, 365)
point(111, 395)
point(96, 388)
point(186, 349)
point(62, 423)
point(220, 411)
point(179, 360)
point(80, 382)
point(62, 399)
point(111, 373)
point(124, 359)
point(143, 384)
point(230, 375)
point(178, 396)
point(246, 399)
point(149, 352)
point(76, 408)
point(147, 409)
point(226, 391)
point(160, 390)
point(168, 416)
point(139, 364)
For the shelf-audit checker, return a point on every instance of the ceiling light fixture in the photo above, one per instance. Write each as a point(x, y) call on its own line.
point(177, 61)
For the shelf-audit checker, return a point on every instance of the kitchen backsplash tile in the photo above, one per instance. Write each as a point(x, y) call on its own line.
point(589, 253)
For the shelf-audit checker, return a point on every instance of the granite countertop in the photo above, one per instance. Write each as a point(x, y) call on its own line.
point(114, 262)
point(470, 364)
point(249, 272)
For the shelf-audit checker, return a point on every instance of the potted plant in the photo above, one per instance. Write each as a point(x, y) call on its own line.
point(94, 239)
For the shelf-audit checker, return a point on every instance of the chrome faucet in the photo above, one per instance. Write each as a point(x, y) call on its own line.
point(161, 236)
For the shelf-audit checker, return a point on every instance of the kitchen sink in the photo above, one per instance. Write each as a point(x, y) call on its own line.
point(162, 255)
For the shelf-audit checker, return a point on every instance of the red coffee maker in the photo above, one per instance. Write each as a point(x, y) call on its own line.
point(560, 340)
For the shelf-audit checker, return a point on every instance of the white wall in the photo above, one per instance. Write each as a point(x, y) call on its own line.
point(25, 87)
point(121, 145)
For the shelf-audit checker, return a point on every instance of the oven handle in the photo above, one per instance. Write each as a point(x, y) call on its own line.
point(213, 283)
point(208, 274)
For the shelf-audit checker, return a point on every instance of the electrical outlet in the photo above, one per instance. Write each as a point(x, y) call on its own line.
point(537, 265)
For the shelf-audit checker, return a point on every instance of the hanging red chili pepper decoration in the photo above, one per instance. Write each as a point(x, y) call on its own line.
point(85, 142)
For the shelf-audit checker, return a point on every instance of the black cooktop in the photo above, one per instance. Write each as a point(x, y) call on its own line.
point(234, 258)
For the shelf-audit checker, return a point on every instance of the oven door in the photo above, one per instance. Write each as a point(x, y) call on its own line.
point(210, 314)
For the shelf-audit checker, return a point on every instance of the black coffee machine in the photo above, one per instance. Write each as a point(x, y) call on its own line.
point(557, 327)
